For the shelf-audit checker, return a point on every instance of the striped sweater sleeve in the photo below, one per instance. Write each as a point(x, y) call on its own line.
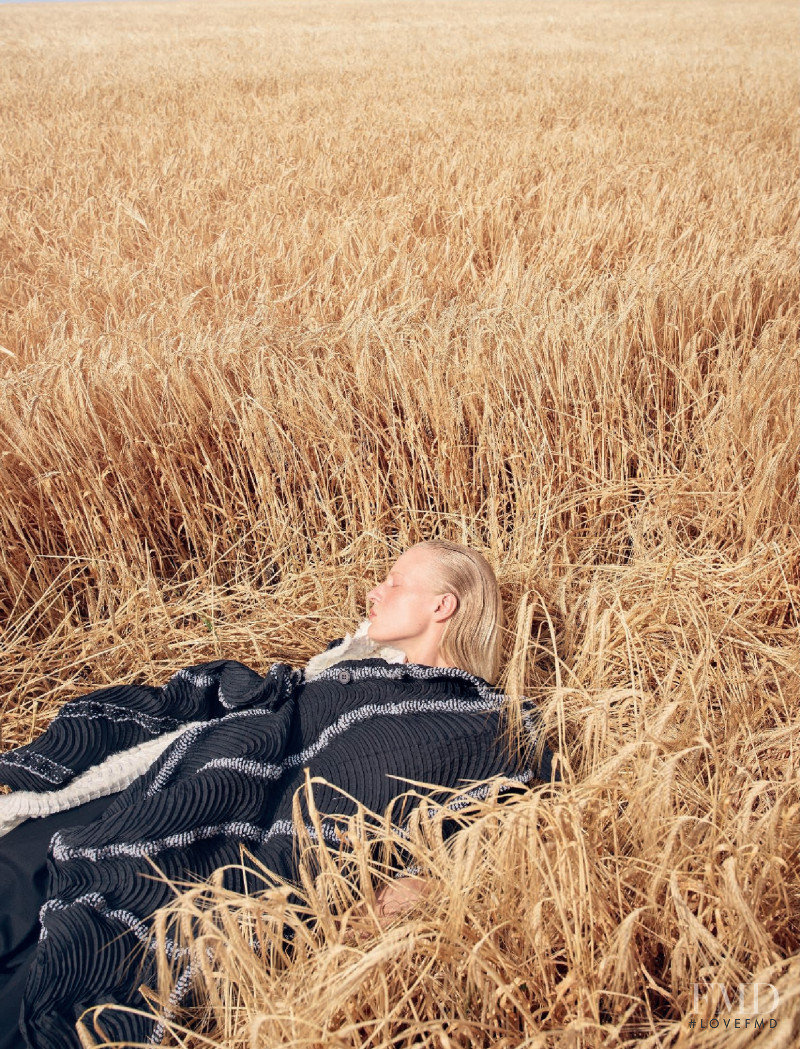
point(90, 729)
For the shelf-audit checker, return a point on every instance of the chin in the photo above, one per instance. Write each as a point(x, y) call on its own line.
point(374, 633)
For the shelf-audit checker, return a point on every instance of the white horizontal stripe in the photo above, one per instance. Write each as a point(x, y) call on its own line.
point(39, 765)
point(366, 713)
point(248, 712)
point(417, 671)
point(98, 903)
point(198, 680)
point(137, 849)
point(92, 709)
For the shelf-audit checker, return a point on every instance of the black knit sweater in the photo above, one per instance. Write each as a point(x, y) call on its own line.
point(367, 727)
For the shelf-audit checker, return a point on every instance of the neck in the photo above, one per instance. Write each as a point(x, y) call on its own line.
point(424, 652)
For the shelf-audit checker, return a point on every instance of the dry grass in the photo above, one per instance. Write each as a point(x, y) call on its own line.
point(286, 287)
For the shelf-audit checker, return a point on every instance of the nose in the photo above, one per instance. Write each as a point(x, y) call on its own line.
point(374, 594)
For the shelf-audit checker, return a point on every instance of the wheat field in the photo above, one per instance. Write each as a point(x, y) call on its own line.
point(288, 286)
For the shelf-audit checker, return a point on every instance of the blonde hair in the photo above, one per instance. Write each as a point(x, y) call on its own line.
point(471, 638)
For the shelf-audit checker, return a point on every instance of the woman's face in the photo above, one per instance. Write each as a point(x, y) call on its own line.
point(404, 608)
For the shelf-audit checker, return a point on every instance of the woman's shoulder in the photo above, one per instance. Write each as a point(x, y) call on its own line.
point(376, 673)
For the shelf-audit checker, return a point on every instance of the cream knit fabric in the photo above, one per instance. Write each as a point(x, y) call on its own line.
point(353, 646)
point(113, 774)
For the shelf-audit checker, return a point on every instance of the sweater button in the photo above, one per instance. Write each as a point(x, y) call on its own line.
point(344, 677)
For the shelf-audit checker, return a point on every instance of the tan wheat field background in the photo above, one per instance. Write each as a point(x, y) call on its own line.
point(287, 286)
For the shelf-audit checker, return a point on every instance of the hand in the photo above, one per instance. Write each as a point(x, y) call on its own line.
point(397, 896)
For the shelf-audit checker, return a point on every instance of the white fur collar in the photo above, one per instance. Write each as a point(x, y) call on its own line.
point(355, 646)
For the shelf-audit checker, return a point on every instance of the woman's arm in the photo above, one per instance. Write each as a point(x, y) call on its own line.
point(90, 729)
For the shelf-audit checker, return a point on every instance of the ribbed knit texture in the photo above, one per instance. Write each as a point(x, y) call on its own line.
point(127, 764)
point(115, 773)
point(369, 727)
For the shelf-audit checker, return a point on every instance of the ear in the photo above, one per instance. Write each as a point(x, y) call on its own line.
point(447, 605)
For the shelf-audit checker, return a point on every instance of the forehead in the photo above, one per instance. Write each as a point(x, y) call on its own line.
point(415, 560)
